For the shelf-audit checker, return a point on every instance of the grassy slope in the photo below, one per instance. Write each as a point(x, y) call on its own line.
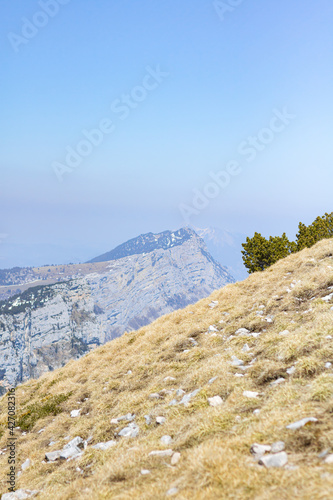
point(214, 444)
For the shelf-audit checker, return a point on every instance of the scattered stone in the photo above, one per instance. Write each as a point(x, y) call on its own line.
point(245, 348)
point(328, 297)
point(329, 459)
point(259, 313)
point(19, 494)
point(301, 423)
point(169, 378)
point(186, 350)
point(148, 419)
point(160, 420)
point(52, 455)
point(278, 381)
point(212, 380)
point(129, 372)
point(51, 443)
point(239, 374)
point(129, 417)
point(324, 453)
point(291, 370)
point(180, 392)
point(26, 464)
point(256, 412)
point(213, 304)
point(260, 449)
point(187, 398)
point(39, 432)
point(70, 452)
point(144, 472)
point(131, 431)
point(75, 413)
point(212, 328)
point(242, 331)
point(269, 320)
point(175, 458)
point(284, 333)
point(236, 362)
point(276, 460)
point(238, 418)
point(166, 440)
point(77, 441)
point(329, 337)
point(114, 421)
point(193, 341)
point(161, 453)
point(173, 402)
point(172, 491)
point(250, 394)
point(215, 401)
point(104, 446)
point(278, 446)
point(328, 365)
point(154, 395)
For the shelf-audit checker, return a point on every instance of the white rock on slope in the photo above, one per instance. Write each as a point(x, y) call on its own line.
point(301, 423)
point(161, 453)
point(275, 460)
point(215, 401)
point(19, 494)
point(75, 413)
point(250, 394)
point(166, 440)
point(104, 446)
point(175, 458)
point(26, 464)
point(242, 331)
point(131, 431)
point(278, 446)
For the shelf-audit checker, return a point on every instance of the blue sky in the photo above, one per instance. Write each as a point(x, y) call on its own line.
point(223, 77)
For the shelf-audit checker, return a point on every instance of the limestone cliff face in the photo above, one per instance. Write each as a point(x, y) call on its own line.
point(45, 327)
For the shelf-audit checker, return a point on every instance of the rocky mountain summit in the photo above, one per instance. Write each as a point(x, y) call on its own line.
point(147, 243)
point(46, 326)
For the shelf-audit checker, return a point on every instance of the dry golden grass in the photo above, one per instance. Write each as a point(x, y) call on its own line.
point(214, 442)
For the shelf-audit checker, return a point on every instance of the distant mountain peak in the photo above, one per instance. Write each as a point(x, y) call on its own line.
point(146, 243)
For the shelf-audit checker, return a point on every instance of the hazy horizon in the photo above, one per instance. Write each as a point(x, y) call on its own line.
point(123, 119)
